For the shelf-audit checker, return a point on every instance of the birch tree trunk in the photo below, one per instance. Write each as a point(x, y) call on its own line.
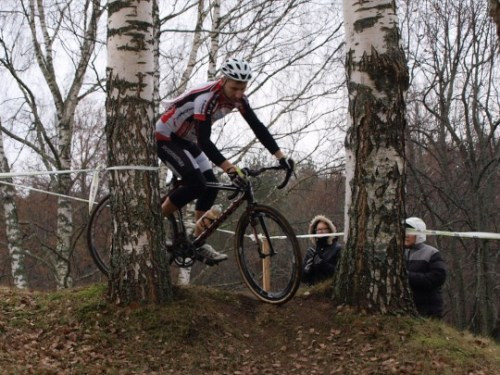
point(64, 208)
point(214, 41)
point(14, 235)
point(139, 270)
point(372, 274)
point(197, 42)
point(156, 63)
point(44, 20)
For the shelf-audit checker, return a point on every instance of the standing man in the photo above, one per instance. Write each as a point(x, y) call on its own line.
point(426, 271)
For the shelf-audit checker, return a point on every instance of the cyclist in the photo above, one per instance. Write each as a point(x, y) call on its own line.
point(184, 144)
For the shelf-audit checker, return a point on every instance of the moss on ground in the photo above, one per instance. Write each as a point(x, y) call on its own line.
point(206, 331)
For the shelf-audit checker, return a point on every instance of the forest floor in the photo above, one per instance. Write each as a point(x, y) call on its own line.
point(204, 331)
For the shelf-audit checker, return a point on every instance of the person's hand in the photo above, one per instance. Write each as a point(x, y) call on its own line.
point(308, 265)
point(287, 163)
point(238, 177)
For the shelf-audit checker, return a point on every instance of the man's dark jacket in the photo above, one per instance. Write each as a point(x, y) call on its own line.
point(427, 273)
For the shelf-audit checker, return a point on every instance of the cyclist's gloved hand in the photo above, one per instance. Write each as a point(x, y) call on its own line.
point(238, 177)
point(287, 163)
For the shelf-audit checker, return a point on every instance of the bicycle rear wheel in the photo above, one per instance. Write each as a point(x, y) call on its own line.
point(100, 234)
point(271, 265)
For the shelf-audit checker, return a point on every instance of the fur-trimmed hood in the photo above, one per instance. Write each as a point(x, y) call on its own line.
point(314, 222)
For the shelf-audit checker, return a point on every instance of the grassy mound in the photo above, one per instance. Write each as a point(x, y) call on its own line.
point(205, 331)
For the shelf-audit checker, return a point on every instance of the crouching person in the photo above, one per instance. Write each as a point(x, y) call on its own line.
point(321, 258)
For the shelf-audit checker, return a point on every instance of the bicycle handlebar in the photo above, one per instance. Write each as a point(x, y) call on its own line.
point(257, 172)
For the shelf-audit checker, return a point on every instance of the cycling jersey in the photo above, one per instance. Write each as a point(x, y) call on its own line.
point(191, 115)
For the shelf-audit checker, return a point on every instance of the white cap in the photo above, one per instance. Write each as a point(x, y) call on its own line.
point(418, 224)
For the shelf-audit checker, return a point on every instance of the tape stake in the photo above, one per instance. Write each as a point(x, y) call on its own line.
point(94, 185)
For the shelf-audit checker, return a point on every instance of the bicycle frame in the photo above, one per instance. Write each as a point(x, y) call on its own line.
point(235, 204)
point(247, 195)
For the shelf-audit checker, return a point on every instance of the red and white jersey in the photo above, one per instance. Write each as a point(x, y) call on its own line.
point(201, 103)
point(191, 115)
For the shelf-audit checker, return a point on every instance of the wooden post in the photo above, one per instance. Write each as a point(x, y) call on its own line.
point(266, 266)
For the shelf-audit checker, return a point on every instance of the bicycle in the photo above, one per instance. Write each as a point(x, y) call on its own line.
point(266, 248)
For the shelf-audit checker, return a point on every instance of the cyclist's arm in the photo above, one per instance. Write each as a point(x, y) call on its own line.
point(203, 132)
point(259, 129)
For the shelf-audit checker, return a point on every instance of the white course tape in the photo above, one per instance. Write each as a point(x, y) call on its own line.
point(95, 178)
point(477, 235)
point(39, 173)
point(95, 183)
point(45, 192)
point(336, 234)
point(485, 235)
point(132, 167)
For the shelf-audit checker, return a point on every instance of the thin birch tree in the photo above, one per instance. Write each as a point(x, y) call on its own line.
point(46, 22)
point(372, 273)
point(13, 231)
point(139, 270)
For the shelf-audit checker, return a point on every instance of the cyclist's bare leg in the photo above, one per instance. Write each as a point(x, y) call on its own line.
point(197, 216)
point(168, 207)
point(207, 251)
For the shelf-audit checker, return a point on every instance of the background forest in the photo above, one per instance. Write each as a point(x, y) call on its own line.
point(53, 58)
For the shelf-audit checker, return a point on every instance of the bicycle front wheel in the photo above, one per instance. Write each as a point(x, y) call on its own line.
point(100, 234)
point(268, 254)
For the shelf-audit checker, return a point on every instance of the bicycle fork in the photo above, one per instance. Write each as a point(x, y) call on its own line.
point(265, 245)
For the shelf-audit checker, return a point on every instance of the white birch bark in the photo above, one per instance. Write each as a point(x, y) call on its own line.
point(184, 276)
point(55, 152)
point(372, 268)
point(349, 175)
point(13, 231)
point(156, 63)
point(214, 40)
point(197, 42)
point(138, 263)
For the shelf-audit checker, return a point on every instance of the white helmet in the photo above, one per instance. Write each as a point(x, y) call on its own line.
point(418, 224)
point(237, 69)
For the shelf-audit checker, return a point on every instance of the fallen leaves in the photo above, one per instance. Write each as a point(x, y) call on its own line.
point(241, 339)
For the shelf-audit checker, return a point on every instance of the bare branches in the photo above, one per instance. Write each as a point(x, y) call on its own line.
point(455, 149)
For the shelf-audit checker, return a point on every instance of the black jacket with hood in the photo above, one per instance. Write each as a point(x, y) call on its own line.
point(321, 259)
